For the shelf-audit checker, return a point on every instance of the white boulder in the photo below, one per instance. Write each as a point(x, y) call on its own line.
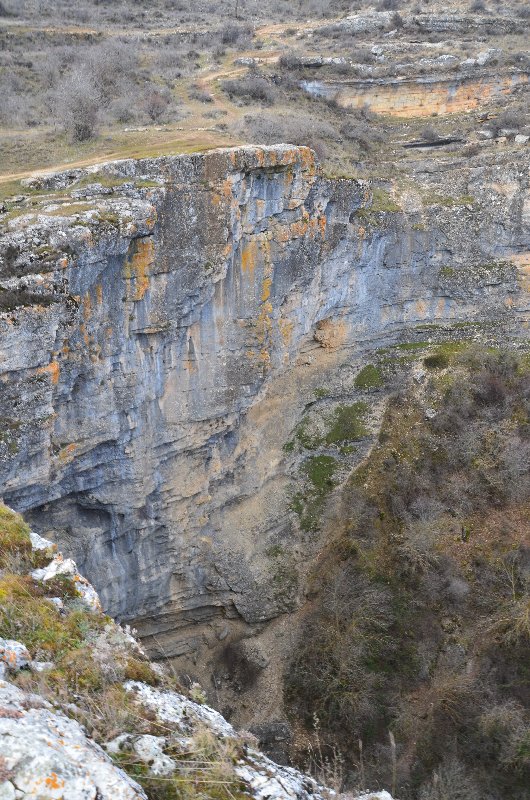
point(66, 566)
point(48, 755)
point(149, 749)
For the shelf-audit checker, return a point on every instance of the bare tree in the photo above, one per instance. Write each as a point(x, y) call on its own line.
point(78, 104)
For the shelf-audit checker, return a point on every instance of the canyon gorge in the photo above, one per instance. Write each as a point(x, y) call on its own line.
point(264, 400)
point(168, 323)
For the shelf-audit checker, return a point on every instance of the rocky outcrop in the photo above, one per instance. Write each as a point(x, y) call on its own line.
point(45, 754)
point(422, 96)
point(451, 24)
point(163, 323)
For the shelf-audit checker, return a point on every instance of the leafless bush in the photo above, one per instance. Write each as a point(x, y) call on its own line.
point(77, 105)
point(196, 93)
point(430, 134)
point(471, 150)
point(155, 104)
point(388, 5)
point(236, 34)
point(13, 107)
point(124, 109)
point(112, 65)
point(363, 134)
point(253, 88)
point(451, 782)
point(288, 61)
point(363, 55)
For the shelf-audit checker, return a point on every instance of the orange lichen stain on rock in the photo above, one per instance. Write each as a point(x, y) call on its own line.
point(66, 453)
point(295, 230)
point(138, 264)
point(508, 190)
point(522, 262)
point(54, 782)
point(96, 353)
point(84, 334)
point(266, 290)
point(286, 327)
point(87, 307)
point(265, 357)
point(420, 306)
point(408, 98)
point(99, 293)
point(307, 160)
point(249, 256)
point(300, 228)
point(152, 220)
point(440, 308)
point(224, 194)
point(282, 233)
point(53, 370)
point(317, 225)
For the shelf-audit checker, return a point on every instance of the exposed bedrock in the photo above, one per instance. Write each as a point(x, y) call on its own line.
point(167, 333)
point(420, 96)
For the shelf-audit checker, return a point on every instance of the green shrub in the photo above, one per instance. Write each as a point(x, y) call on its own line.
point(369, 377)
point(348, 424)
point(436, 361)
point(424, 573)
point(14, 536)
point(320, 471)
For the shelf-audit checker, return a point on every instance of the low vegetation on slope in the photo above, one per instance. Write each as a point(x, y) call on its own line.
point(418, 628)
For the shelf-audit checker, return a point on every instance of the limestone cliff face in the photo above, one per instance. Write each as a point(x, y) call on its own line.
point(420, 96)
point(160, 319)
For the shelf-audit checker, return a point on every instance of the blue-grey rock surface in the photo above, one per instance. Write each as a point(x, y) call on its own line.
point(164, 322)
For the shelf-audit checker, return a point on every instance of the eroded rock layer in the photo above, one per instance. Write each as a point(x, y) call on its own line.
point(160, 320)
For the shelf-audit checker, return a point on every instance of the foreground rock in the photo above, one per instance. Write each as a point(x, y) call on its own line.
point(49, 756)
point(264, 779)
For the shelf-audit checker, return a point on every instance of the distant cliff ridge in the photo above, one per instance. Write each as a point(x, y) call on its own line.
point(159, 321)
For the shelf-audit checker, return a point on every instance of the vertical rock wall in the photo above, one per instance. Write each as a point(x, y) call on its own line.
point(150, 366)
